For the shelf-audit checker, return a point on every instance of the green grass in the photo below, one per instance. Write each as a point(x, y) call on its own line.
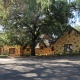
point(3, 56)
point(68, 54)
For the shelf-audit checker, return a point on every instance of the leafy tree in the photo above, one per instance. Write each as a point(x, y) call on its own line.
point(26, 19)
point(12, 21)
point(23, 26)
point(57, 16)
point(2, 38)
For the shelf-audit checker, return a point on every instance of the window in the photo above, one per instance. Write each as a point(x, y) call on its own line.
point(76, 34)
point(11, 50)
point(28, 49)
point(41, 47)
point(68, 47)
point(52, 48)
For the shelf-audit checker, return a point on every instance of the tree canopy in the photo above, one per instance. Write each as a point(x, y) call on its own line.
point(25, 20)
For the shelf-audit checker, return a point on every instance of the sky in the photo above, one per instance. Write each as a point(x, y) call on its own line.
point(76, 19)
point(1, 28)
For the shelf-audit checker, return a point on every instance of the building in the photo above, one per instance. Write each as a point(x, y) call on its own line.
point(67, 42)
point(14, 50)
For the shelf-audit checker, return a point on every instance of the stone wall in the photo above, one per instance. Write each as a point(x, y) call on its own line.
point(73, 38)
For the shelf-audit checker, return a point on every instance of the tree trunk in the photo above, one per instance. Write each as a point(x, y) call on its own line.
point(33, 47)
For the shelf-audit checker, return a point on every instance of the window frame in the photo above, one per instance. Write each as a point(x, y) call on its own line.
point(11, 50)
point(28, 49)
point(41, 47)
point(67, 47)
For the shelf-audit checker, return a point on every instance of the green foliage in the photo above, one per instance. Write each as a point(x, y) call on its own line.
point(68, 53)
point(2, 39)
point(26, 14)
point(23, 20)
point(57, 16)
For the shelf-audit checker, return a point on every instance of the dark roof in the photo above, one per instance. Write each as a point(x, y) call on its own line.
point(66, 29)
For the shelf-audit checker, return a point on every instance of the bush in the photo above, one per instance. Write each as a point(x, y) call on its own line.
point(65, 53)
point(3, 56)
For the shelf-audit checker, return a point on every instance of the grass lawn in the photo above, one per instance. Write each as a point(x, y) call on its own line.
point(3, 56)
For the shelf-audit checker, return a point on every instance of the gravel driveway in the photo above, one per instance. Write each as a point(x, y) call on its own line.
point(45, 68)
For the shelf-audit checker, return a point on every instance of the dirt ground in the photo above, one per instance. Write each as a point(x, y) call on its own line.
point(40, 68)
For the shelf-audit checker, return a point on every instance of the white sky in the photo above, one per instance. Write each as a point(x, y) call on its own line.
point(76, 19)
point(1, 28)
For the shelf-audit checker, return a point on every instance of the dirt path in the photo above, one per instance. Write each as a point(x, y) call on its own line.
point(58, 68)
